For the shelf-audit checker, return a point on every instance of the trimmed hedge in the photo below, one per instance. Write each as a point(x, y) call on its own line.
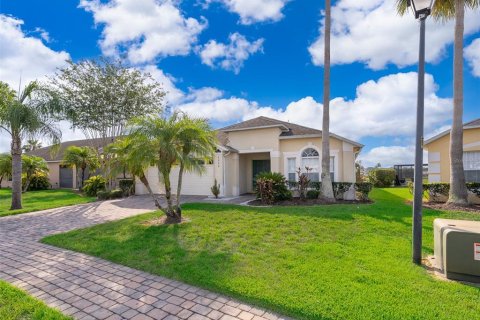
point(381, 177)
point(432, 191)
point(127, 186)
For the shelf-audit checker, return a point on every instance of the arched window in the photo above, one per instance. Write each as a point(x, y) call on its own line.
point(311, 160)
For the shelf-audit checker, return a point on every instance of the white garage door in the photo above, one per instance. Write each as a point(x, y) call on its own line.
point(193, 184)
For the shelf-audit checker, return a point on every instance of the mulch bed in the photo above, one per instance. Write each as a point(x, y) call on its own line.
point(308, 202)
point(475, 208)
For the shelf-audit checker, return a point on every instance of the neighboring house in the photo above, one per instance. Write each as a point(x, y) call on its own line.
point(439, 155)
point(63, 176)
point(263, 144)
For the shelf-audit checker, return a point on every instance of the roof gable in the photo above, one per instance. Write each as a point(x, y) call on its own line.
point(474, 124)
point(288, 129)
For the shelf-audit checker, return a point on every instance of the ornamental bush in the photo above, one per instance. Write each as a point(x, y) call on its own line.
point(272, 187)
point(339, 189)
point(94, 184)
point(38, 181)
point(381, 178)
point(363, 189)
point(127, 186)
point(474, 187)
point(313, 194)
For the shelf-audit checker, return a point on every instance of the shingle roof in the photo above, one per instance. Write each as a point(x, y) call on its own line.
point(474, 123)
point(469, 125)
point(288, 129)
point(49, 155)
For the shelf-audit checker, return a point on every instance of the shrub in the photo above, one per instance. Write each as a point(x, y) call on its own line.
point(432, 191)
point(474, 187)
point(313, 194)
point(127, 186)
point(94, 184)
point(103, 195)
point(271, 187)
point(381, 178)
point(315, 185)
point(116, 194)
point(363, 189)
point(339, 188)
point(303, 182)
point(38, 181)
point(215, 189)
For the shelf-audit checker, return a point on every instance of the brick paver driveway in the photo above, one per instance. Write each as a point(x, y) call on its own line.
point(91, 288)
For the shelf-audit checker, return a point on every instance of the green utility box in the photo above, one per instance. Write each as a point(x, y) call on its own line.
point(457, 249)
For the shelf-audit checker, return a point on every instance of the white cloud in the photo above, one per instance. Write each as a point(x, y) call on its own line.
point(472, 54)
point(144, 29)
point(232, 55)
point(173, 94)
point(388, 156)
point(25, 56)
point(251, 11)
point(385, 107)
point(371, 32)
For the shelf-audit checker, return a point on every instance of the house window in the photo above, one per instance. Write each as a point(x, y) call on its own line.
point(291, 167)
point(332, 168)
point(471, 165)
point(311, 159)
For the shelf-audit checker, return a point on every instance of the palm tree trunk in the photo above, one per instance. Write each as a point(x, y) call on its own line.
point(145, 182)
point(458, 190)
point(16, 149)
point(179, 190)
point(327, 189)
point(170, 212)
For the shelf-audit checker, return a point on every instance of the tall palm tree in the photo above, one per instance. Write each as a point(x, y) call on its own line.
point(31, 145)
point(134, 156)
point(5, 167)
point(32, 165)
point(197, 145)
point(327, 188)
point(446, 10)
point(22, 115)
point(163, 135)
point(82, 158)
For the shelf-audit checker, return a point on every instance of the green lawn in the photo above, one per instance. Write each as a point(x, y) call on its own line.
point(330, 262)
point(41, 200)
point(15, 304)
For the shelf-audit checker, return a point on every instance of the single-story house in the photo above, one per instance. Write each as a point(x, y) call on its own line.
point(263, 144)
point(61, 176)
point(438, 148)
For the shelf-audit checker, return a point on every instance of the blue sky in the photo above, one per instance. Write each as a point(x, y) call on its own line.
point(231, 60)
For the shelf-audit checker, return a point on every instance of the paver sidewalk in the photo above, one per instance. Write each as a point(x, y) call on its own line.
point(86, 287)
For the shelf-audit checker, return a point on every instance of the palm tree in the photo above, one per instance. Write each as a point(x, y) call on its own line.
point(25, 114)
point(446, 10)
point(82, 158)
point(32, 165)
point(31, 145)
point(163, 137)
point(5, 167)
point(197, 145)
point(134, 156)
point(327, 188)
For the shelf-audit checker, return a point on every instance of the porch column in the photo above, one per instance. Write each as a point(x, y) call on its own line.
point(275, 161)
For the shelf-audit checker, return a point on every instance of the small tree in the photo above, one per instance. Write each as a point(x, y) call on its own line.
point(215, 189)
point(31, 145)
point(31, 166)
point(99, 97)
point(82, 158)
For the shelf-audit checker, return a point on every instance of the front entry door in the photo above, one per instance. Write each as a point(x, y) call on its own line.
point(259, 166)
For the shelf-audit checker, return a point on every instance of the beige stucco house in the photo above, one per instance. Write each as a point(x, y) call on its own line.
point(60, 176)
point(439, 155)
point(264, 144)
